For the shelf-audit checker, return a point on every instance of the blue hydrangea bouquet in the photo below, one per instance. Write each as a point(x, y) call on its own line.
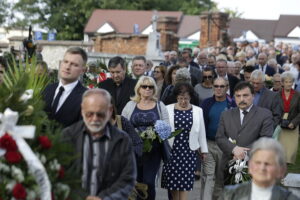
point(161, 131)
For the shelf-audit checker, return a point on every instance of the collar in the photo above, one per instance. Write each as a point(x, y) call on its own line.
point(68, 87)
point(104, 136)
point(248, 110)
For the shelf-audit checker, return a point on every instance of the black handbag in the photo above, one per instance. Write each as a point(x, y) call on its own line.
point(285, 124)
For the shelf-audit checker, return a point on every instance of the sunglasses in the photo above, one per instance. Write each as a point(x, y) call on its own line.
point(207, 77)
point(151, 87)
point(219, 86)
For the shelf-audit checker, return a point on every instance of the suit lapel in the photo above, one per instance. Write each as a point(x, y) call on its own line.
point(68, 102)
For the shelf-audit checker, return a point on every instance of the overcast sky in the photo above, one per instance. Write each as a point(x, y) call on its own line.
point(261, 9)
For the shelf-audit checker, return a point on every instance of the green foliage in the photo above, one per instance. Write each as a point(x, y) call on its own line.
point(69, 17)
point(4, 5)
point(17, 79)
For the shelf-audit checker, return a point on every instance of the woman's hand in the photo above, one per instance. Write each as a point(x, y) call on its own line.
point(203, 156)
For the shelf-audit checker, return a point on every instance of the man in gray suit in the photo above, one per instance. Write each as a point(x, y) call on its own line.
point(104, 156)
point(240, 127)
point(264, 97)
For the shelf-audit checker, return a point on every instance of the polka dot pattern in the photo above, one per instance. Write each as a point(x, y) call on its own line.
point(178, 173)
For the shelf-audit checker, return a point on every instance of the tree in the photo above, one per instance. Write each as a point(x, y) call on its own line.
point(69, 17)
point(233, 13)
point(4, 5)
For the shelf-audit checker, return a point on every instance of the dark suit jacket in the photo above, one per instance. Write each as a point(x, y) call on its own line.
point(232, 82)
point(196, 75)
point(126, 92)
point(257, 123)
point(270, 71)
point(294, 114)
point(270, 100)
point(243, 192)
point(70, 111)
point(118, 172)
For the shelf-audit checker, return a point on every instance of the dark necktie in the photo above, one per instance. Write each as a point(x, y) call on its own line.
point(56, 100)
point(244, 113)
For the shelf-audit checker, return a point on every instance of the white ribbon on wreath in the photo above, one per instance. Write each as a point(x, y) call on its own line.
point(8, 125)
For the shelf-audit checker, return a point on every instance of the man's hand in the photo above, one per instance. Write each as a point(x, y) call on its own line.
point(291, 126)
point(92, 198)
point(239, 152)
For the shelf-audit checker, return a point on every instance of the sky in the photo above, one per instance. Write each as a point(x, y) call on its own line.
point(261, 9)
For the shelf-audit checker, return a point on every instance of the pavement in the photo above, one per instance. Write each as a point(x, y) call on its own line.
point(162, 194)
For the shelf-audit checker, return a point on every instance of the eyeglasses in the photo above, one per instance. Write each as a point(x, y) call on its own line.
point(207, 77)
point(91, 114)
point(151, 87)
point(156, 72)
point(219, 86)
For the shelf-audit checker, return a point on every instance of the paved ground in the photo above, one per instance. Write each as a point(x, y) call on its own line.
point(161, 194)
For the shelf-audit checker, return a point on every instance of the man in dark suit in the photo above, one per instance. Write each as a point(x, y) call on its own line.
point(222, 71)
point(187, 56)
point(240, 127)
point(63, 99)
point(104, 155)
point(265, 98)
point(262, 65)
point(120, 86)
point(196, 74)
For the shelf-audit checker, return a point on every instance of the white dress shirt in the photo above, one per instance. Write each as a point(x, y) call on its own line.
point(242, 115)
point(68, 89)
point(259, 193)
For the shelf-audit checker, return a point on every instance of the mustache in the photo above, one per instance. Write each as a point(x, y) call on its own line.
point(242, 103)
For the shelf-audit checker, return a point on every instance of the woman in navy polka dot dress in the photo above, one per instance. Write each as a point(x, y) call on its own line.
point(178, 173)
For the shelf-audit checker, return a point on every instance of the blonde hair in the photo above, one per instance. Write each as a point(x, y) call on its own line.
point(144, 80)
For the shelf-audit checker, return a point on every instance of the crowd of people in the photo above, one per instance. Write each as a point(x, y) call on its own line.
point(226, 102)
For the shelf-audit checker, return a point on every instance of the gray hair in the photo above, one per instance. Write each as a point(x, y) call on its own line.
point(269, 144)
point(287, 75)
point(223, 79)
point(183, 75)
point(258, 74)
point(272, 61)
point(97, 91)
point(230, 64)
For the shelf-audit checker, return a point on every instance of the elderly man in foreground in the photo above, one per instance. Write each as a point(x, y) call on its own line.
point(266, 166)
point(106, 161)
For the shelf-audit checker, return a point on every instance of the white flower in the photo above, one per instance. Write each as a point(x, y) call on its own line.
point(10, 185)
point(63, 189)
point(4, 168)
point(17, 174)
point(27, 95)
point(41, 157)
point(54, 165)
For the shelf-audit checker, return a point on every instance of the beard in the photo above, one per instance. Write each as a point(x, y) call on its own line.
point(94, 127)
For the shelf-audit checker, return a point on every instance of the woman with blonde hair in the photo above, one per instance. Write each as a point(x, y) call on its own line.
point(143, 111)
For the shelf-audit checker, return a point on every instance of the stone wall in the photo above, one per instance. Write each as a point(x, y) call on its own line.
point(121, 44)
point(53, 51)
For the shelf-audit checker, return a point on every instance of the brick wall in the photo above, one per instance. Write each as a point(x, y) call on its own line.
point(167, 27)
point(213, 28)
point(121, 44)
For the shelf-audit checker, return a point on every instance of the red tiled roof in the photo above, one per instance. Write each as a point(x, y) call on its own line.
point(124, 20)
point(188, 26)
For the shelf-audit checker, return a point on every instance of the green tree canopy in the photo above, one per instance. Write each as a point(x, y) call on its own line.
point(69, 17)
